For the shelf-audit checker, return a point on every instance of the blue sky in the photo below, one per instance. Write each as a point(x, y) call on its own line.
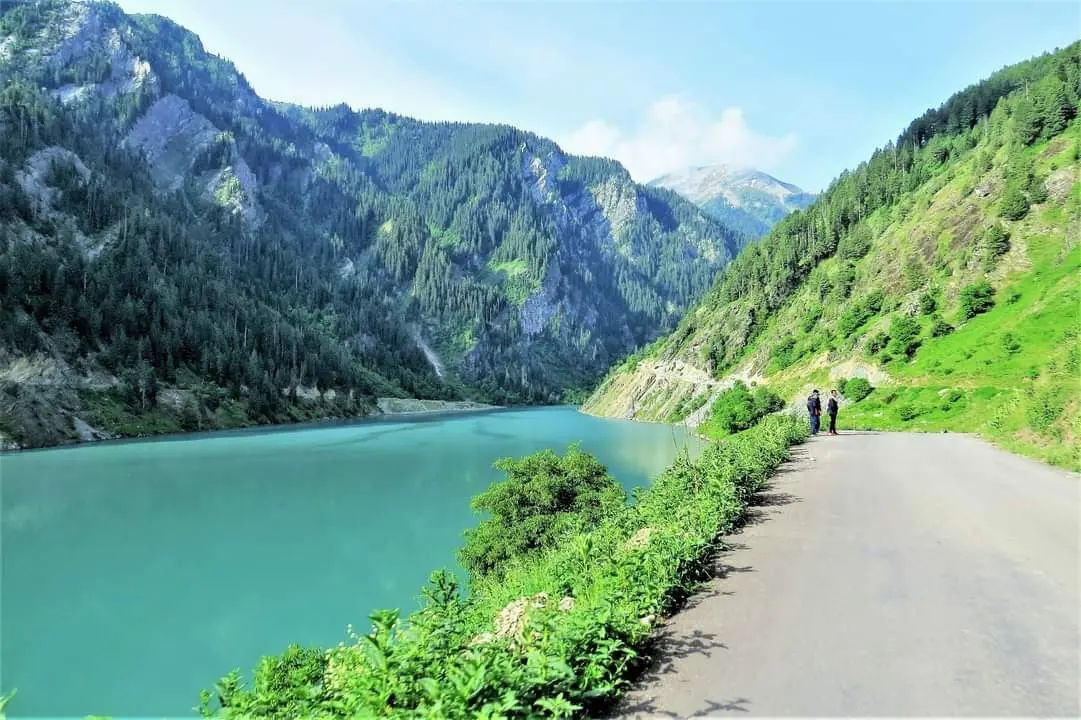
point(801, 90)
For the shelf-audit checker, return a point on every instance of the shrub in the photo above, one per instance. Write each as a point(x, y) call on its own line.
point(940, 327)
point(855, 244)
point(1014, 205)
point(950, 399)
point(873, 301)
point(977, 298)
point(844, 281)
point(904, 336)
point(738, 408)
point(811, 318)
point(783, 352)
point(544, 498)
point(1036, 189)
point(856, 389)
point(996, 243)
point(928, 304)
point(908, 411)
point(1011, 344)
point(558, 634)
point(878, 343)
point(1046, 407)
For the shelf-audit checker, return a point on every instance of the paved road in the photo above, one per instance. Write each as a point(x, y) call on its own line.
point(886, 574)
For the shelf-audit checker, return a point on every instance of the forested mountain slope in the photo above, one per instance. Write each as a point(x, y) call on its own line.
point(178, 253)
point(944, 271)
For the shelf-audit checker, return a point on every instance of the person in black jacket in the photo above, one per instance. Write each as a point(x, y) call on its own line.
point(814, 409)
point(831, 410)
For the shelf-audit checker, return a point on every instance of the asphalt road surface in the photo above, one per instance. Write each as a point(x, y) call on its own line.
point(886, 574)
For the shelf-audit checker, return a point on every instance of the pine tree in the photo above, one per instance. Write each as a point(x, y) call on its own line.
point(1013, 205)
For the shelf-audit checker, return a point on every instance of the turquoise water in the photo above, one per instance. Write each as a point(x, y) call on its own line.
point(135, 574)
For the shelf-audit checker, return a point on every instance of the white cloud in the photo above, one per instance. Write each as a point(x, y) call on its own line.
point(675, 134)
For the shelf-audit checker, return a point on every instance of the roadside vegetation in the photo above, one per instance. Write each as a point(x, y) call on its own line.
point(557, 618)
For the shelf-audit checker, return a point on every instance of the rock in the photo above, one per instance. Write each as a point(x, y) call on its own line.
point(639, 540)
point(171, 135)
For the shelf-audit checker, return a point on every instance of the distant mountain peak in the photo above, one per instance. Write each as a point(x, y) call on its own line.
point(744, 198)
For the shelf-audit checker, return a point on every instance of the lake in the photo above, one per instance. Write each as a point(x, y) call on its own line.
point(134, 574)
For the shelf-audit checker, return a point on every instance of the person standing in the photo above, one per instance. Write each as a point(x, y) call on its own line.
point(814, 409)
point(831, 409)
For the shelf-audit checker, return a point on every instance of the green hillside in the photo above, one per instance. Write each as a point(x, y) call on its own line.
point(945, 271)
point(177, 253)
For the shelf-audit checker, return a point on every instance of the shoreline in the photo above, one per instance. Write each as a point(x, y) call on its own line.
point(452, 408)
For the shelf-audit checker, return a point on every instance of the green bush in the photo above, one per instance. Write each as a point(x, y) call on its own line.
point(855, 244)
point(877, 343)
point(940, 327)
point(1046, 407)
point(928, 304)
point(856, 389)
point(555, 636)
point(977, 298)
point(544, 498)
point(908, 411)
point(1036, 189)
point(784, 352)
point(1014, 205)
point(950, 399)
point(738, 408)
point(996, 243)
point(811, 318)
point(904, 336)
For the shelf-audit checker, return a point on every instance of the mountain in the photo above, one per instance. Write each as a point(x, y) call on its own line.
point(178, 253)
point(941, 274)
point(745, 199)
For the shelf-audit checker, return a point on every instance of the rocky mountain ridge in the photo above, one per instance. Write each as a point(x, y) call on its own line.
point(201, 240)
point(743, 198)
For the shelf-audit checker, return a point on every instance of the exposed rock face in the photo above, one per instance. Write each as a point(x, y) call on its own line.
point(171, 135)
point(412, 406)
point(539, 308)
point(620, 203)
point(32, 178)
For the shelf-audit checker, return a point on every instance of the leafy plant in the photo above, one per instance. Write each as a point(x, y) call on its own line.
point(738, 408)
point(1014, 205)
point(1046, 407)
point(856, 389)
point(909, 411)
point(544, 498)
point(940, 327)
point(977, 298)
point(996, 243)
point(904, 336)
point(555, 635)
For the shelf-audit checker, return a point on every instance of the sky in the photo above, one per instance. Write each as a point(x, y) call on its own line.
point(800, 90)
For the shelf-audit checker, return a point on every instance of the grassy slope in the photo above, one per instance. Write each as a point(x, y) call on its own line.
point(1010, 374)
